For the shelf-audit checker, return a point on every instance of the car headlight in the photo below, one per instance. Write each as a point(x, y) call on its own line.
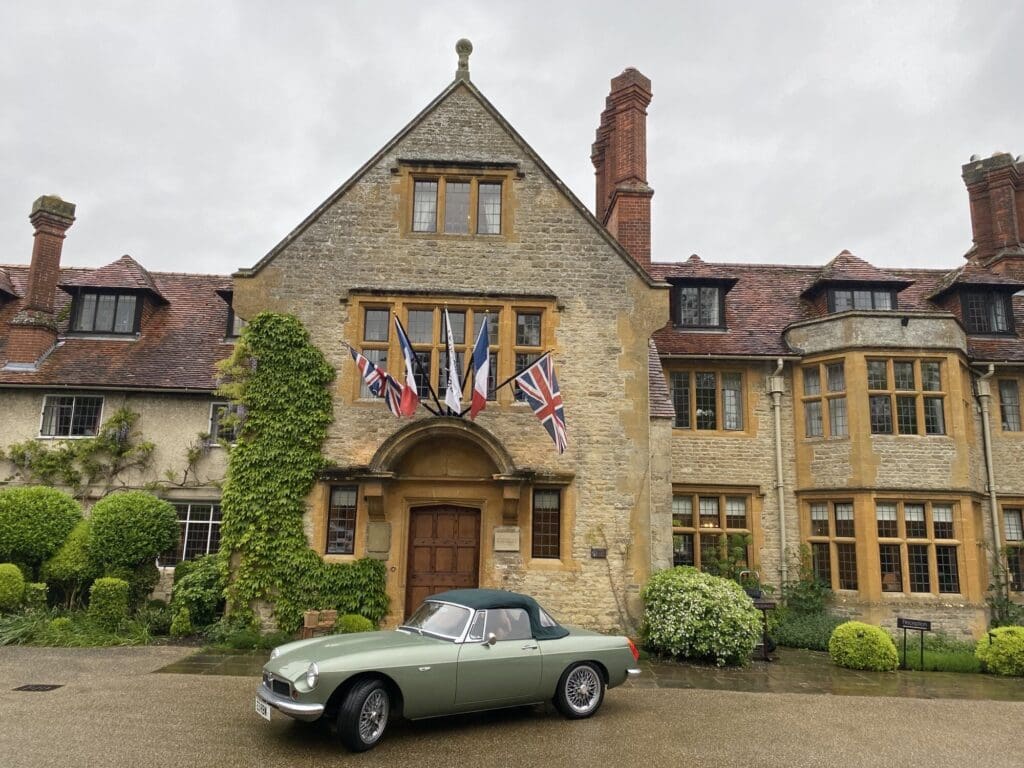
point(275, 653)
point(312, 675)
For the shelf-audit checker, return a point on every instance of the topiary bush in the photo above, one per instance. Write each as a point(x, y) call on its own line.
point(352, 622)
point(34, 522)
point(1003, 654)
point(694, 615)
point(856, 645)
point(131, 528)
point(181, 624)
point(70, 570)
point(200, 591)
point(141, 581)
point(12, 587)
point(108, 603)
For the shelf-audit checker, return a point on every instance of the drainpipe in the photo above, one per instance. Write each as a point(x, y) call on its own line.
point(985, 397)
point(776, 386)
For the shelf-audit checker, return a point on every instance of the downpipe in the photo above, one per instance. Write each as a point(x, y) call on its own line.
point(776, 386)
point(984, 389)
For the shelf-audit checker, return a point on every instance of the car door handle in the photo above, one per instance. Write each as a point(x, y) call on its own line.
point(529, 648)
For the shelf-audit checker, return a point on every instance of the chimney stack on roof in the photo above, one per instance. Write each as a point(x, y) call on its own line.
point(995, 187)
point(34, 328)
point(619, 155)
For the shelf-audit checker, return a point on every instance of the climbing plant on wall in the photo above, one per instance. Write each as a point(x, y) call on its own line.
point(278, 379)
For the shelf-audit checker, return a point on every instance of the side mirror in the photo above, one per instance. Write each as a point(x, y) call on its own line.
point(491, 639)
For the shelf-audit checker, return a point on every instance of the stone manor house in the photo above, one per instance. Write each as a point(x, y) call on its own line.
point(870, 414)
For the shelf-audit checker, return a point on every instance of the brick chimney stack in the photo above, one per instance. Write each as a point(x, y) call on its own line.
point(34, 328)
point(619, 155)
point(995, 188)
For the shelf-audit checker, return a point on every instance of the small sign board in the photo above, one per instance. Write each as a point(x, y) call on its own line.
point(598, 553)
point(765, 605)
point(918, 624)
point(506, 538)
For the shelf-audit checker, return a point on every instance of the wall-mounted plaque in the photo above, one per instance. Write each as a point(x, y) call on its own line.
point(506, 538)
point(598, 553)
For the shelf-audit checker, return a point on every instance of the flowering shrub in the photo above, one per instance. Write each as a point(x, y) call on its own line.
point(856, 645)
point(693, 615)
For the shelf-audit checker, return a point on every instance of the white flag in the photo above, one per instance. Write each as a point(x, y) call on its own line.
point(453, 393)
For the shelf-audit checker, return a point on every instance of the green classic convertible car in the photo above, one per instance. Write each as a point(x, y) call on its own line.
point(461, 651)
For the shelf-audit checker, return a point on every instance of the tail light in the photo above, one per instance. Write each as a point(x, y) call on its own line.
point(633, 650)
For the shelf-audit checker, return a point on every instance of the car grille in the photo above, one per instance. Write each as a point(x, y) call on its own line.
point(280, 687)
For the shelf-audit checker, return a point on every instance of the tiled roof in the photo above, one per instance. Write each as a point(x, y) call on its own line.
point(180, 340)
point(124, 273)
point(973, 273)
point(6, 286)
point(694, 268)
point(847, 268)
point(661, 400)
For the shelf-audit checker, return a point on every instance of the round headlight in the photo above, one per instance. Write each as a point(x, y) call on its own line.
point(275, 653)
point(312, 675)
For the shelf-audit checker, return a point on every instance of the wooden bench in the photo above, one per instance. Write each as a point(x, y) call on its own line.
point(316, 623)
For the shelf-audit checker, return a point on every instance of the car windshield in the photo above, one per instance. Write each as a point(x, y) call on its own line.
point(444, 620)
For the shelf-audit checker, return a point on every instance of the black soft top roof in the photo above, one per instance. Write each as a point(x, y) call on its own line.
point(482, 599)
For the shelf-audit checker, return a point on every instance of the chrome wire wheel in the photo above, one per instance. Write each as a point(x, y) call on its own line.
point(373, 716)
point(583, 688)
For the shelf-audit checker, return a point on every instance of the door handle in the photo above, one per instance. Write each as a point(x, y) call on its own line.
point(529, 648)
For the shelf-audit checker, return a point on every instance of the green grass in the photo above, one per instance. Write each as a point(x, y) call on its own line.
point(941, 661)
point(68, 630)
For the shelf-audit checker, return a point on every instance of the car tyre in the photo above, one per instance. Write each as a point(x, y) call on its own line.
point(363, 715)
point(580, 691)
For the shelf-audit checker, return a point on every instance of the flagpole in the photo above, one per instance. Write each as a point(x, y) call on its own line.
point(419, 366)
point(515, 375)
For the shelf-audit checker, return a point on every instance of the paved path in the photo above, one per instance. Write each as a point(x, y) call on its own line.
point(112, 712)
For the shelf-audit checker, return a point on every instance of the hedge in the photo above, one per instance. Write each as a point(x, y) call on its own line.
point(12, 587)
point(70, 568)
point(856, 645)
point(131, 528)
point(108, 602)
point(1004, 653)
point(34, 522)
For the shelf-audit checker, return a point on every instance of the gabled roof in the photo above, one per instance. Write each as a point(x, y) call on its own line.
point(125, 273)
point(465, 83)
point(179, 343)
point(847, 268)
point(973, 274)
point(694, 268)
point(6, 286)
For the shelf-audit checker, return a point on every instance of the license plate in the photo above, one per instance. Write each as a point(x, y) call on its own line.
point(262, 709)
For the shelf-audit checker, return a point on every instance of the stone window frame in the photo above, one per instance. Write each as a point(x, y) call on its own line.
point(931, 541)
point(1014, 547)
point(545, 550)
point(78, 302)
point(1010, 416)
point(473, 173)
point(829, 548)
point(212, 524)
point(893, 397)
point(826, 396)
point(697, 529)
point(97, 420)
point(687, 420)
point(987, 303)
point(503, 351)
point(348, 519)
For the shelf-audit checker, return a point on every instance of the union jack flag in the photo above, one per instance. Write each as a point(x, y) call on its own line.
point(372, 375)
point(393, 395)
point(540, 386)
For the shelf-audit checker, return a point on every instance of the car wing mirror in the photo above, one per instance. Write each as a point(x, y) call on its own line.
point(491, 639)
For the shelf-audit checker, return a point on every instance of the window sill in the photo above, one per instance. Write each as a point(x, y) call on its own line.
point(337, 557)
point(453, 235)
point(134, 336)
point(700, 328)
point(688, 432)
point(823, 439)
point(546, 563)
point(65, 437)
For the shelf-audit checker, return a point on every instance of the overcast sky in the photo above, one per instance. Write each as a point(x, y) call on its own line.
point(195, 135)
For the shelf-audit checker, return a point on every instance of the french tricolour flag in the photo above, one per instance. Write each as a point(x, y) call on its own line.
point(481, 370)
point(410, 395)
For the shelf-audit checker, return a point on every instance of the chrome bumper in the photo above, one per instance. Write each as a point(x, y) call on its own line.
point(632, 674)
point(293, 709)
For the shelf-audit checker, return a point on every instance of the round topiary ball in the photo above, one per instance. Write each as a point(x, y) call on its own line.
point(12, 587)
point(856, 645)
point(353, 622)
point(131, 528)
point(693, 615)
point(1001, 651)
point(108, 603)
point(34, 522)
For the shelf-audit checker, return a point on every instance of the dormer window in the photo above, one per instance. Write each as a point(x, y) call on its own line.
point(846, 299)
point(106, 312)
point(986, 312)
point(700, 306)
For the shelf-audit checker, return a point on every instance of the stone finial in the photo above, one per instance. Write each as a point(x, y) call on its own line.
point(463, 48)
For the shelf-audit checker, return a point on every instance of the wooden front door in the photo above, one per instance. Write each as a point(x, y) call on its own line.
point(444, 552)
